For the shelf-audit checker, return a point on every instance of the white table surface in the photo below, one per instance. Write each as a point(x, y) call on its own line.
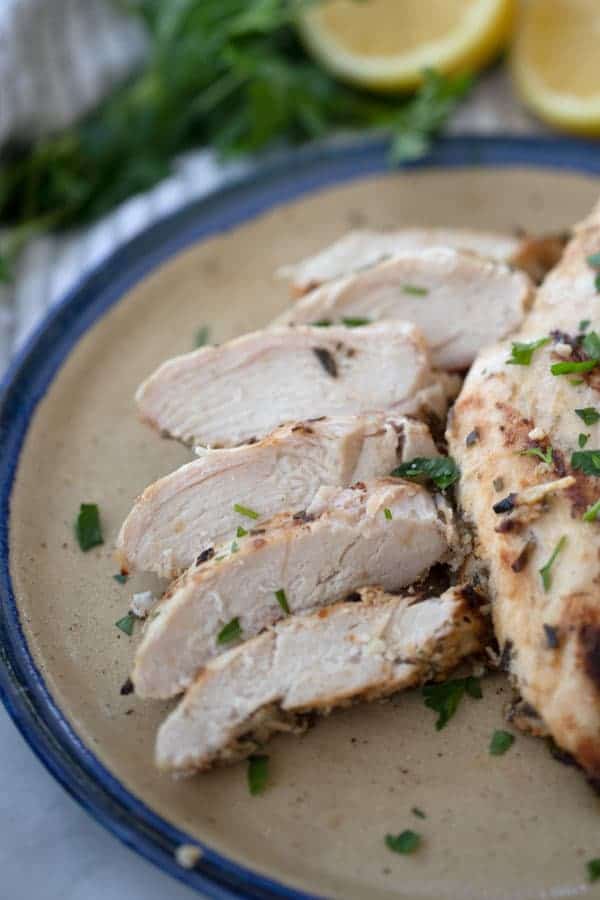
point(50, 849)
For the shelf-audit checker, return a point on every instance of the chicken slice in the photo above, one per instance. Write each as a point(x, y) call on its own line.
point(194, 508)
point(363, 248)
point(347, 652)
point(344, 541)
point(460, 301)
point(242, 390)
point(543, 556)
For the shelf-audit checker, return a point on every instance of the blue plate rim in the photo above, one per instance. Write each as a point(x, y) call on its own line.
point(22, 688)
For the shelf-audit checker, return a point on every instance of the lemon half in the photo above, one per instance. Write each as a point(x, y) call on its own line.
point(386, 44)
point(556, 62)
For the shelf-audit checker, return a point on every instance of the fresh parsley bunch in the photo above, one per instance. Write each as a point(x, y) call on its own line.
point(230, 74)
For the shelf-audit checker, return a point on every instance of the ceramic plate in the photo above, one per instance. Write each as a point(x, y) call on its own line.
point(517, 826)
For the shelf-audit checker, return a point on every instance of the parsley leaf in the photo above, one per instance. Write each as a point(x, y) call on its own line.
point(126, 624)
point(87, 527)
point(566, 368)
point(444, 698)
point(202, 336)
point(258, 773)
point(546, 456)
point(321, 323)
point(589, 415)
point(587, 461)
point(545, 571)
point(241, 532)
point(584, 324)
point(594, 261)
point(282, 600)
point(592, 513)
point(591, 345)
point(442, 470)
point(230, 632)
point(415, 289)
point(521, 353)
point(406, 842)
point(355, 321)
point(593, 869)
point(245, 511)
point(388, 513)
point(501, 742)
point(583, 439)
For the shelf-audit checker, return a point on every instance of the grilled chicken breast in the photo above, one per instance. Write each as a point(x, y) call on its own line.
point(346, 540)
point(181, 515)
point(350, 651)
point(242, 390)
point(542, 556)
point(363, 248)
point(460, 301)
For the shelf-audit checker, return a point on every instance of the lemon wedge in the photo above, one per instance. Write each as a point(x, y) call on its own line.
point(386, 44)
point(556, 62)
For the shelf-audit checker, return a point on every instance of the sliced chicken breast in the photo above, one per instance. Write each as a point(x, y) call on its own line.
point(344, 541)
point(460, 301)
point(362, 248)
point(203, 503)
point(528, 487)
point(347, 652)
point(242, 390)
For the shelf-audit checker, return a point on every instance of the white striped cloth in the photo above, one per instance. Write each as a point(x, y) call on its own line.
point(57, 59)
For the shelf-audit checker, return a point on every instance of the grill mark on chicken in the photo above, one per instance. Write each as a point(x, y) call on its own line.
point(327, 360)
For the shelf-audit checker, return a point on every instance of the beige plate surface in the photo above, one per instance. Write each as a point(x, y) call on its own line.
point(517, 826)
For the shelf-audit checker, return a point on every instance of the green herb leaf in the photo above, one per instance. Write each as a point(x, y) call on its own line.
point(444, 698)
point(522, 353)
point(406, 842)
point(388, 513)
point(282, 600)
point(594, 261)
point(258, 773)
point(126, 624)
point(589, 415)
point(576, 381)
point(545, 571)
point(322, 323)
point(245, 511)
point(442, 470)
point(587, 461)
point(355, 321)
point(230, 632)
point(583, 439)
point(501, 742)
point(593, 869)
point(87, 527)
point(597, 282)
point(241, 532)
point(592, 513)
point(121, 577)
point(546, 456)
point(418, 812)
point(202, 336)
point(591, 345)
point(567, 368)
point(415, 289)
point(584, 324)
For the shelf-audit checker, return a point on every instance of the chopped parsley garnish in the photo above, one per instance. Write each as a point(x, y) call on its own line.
point(418, 812)
point(388, 513)
point(445, 697)
point(126, 624)
point(597, 283)
point(587, 461)
point(584, 324)
point(594, 260)
point(593, 869)
point(501, 742)
point(406, 842)
point(583, 439)
point(592, 513)
point(282, 600)
point(546, 570)
point(589, 415)
point(567, 368)
point(121, 577)
point(355, 321)
point(241, 532)
point(591, 345)
point(245, 511)
point(442, 470)
point(545, 456)
point(87, 527)
point(415, 289)
point(202, 336)
point(258, 773)
point(230, 632)
point(576, 381)
point(521, 353)
point(321, 323)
